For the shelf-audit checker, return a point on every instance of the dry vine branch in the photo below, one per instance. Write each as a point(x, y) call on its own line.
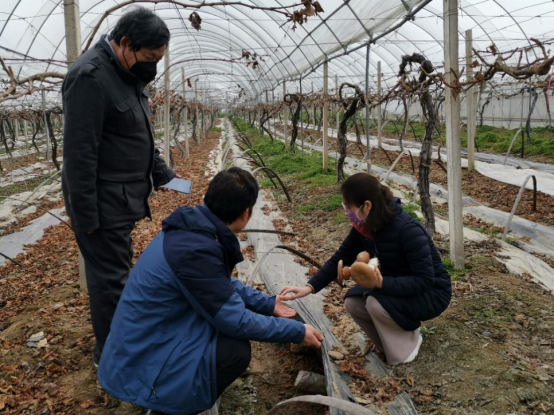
point(296, 16)
point(11, 92)
point(351, 106)
point(427, 143)
point(289, 99)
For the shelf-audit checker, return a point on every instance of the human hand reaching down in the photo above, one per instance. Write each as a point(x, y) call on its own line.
point(295, 291)
point(281, 310)
point(312, 338)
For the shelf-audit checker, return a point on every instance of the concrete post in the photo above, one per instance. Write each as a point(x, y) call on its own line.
point(313, 108)
point(45, 124)
point(197, 115)
point(325, 115)
point(453, 147)
point(72, 31)
point(379, 111)
point(285, 113)
point(186, 121)
point(167, 130)
point(337, 107)
point(274, 121)
point(368, 147)
point(26, 132)
point(470, 104)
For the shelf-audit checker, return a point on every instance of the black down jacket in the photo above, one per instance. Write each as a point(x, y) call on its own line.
point(110, 163)
point(416, 285)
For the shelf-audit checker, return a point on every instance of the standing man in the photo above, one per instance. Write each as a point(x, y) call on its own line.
point(110, 163)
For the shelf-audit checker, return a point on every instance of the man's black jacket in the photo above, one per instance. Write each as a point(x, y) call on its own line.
point(110, 162)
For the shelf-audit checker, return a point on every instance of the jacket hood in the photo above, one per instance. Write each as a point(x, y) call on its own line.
point(201, 220)
point(396, 205)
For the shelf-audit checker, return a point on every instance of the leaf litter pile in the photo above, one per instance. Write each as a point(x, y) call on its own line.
point(491, 351)
point(57, 375)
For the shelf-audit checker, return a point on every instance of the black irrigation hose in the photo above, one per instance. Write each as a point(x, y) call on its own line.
point(9, 258)
point(442, 166)
point(266, 169)
point(269, 172)
point(58, 218)
point(250, 160)
point(38, 206)
point(285, 247)
point(386, 153)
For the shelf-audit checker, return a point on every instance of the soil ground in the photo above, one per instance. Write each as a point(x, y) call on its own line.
point(487, 191)
point(491, 351)
point(45, 296)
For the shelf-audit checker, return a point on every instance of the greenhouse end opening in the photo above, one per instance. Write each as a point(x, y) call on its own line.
point(276, 207)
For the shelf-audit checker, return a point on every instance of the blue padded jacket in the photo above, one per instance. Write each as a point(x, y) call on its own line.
point(160, 353)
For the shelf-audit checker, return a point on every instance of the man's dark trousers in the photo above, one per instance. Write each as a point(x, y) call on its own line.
point(108, 254)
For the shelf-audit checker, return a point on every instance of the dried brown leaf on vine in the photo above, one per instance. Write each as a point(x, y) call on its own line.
point(195, 20)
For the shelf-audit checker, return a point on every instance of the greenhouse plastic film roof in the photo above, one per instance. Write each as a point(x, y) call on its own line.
point(32, 38)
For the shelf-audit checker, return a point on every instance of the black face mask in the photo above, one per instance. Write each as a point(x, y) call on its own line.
point(144, 71)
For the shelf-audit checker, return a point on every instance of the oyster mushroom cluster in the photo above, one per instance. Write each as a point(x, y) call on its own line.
point(362, 271)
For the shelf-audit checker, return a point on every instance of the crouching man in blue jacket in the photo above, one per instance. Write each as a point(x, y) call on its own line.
point(181, 331)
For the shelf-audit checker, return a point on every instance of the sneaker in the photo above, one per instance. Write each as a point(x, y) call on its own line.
point(96, 363)
point(414, 353)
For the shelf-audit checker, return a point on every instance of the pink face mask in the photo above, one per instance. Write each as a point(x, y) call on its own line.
point(353, 216)
point(357, 223)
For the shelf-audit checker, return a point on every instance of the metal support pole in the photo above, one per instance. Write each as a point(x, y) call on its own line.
point(368, 148)
point(470, 103)
point(167, 131)
point(453, 147)
point(379, 111)
point(325, 115)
